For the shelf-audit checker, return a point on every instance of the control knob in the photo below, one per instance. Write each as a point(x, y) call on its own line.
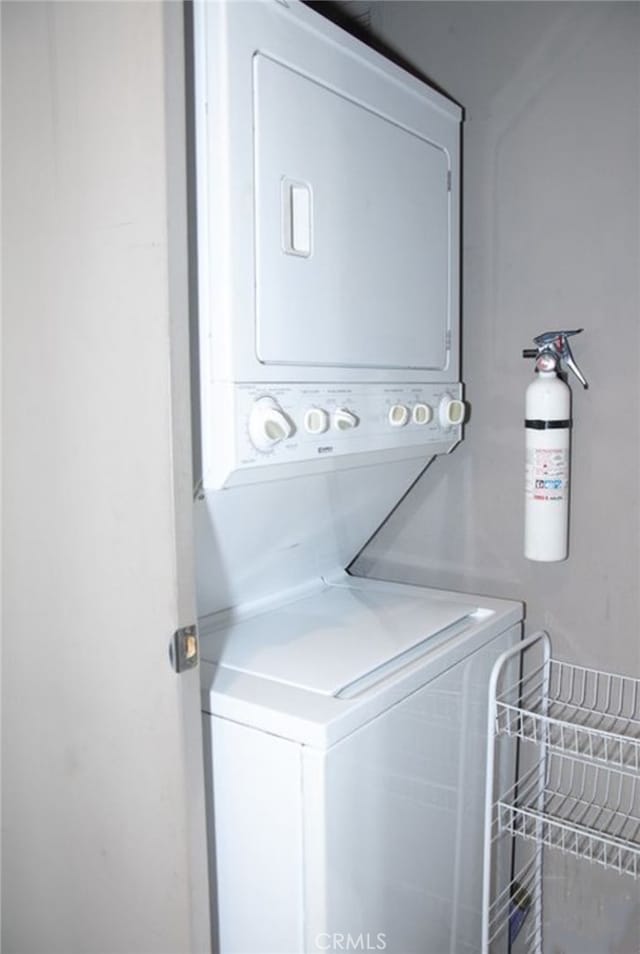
point(398, 415)
point(316, 420)
point(451, 411)
point(344, 420)
point(422, 413)
point(268, 424)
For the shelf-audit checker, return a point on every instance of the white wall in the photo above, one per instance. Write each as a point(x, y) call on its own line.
point(551, 239)
point(96, 815)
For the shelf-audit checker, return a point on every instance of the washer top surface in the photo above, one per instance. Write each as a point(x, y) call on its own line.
point(325, 642)
point(315, 668)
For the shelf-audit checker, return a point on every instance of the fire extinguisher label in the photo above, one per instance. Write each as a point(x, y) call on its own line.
point(547, 473)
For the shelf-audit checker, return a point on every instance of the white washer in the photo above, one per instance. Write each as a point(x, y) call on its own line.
point(347, 734)
point(346, 719)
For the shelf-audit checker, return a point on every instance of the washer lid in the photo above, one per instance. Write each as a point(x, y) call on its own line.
point(325, 642)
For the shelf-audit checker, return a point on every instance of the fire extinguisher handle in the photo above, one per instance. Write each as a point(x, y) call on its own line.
point(555, 339)
point(566, 355)
point(570, 362)
point(556, 343)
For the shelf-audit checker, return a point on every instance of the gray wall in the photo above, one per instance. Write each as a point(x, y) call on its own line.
point(550, 233)
point(96, 816)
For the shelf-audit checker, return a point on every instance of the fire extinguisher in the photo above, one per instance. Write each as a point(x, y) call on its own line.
point(547, 428)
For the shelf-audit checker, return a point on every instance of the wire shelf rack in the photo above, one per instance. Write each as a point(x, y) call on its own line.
point(581, 712)
point(581, 790)
point(512, 911)
point(586, 810)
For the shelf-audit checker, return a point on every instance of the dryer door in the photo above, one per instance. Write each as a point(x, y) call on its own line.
point(327, 191)
point(352, 230)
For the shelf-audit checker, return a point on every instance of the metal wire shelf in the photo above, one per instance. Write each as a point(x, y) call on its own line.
point(581, 712)
point(586, 810)
point(512, 911)
point(582, 793)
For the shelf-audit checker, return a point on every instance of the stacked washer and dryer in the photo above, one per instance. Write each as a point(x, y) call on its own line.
point(345, 719)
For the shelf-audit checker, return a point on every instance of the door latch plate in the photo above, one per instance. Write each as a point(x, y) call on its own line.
point(183, 648)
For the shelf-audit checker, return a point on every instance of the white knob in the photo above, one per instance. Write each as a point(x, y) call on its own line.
point(268, 424)
point(398, 415)
point(344, 420)
point(316, 420)
point(451, 411)
point(422, 413)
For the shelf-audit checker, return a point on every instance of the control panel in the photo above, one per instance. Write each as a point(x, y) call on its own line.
point(290, 423)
